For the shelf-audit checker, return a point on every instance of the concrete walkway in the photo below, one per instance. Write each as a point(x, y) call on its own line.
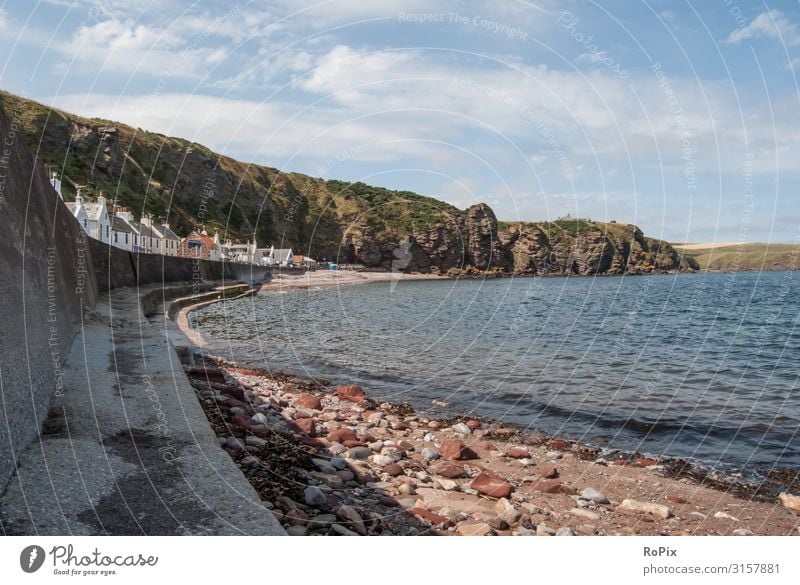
point(126, 448)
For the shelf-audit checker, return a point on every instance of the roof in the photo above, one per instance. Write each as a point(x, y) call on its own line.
point(283, 254)
point(142, 229)
point(94, 209)
point(165, 232)
point(120, 225)
point(204, 240)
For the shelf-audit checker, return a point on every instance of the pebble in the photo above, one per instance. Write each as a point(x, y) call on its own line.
point(339, 463)
point(647, 507)
point(323, 465)
point(260, 418)
point(461, 429)
point(742, 532)
point(314, 496)
point(429, 438)
point(342, 531)
point(382, 460)
point(506, 511)
point(447, 484)
point(725, 516)
point(296, 530)
point(255, 441)
point(406, 489)
point(544, 530)
point(430, 454)
point(554, 455)
point(491, 484)
point(790, 501)
point(471, 528)
point(322, 521)
point(234, 444)
point(337, 448)
point(352, 518)
point(376, 446)
point(358, 453)
point(593, 495)
point(565, 531)
point(584, 513)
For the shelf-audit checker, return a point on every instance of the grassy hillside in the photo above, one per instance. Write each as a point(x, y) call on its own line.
point(751, 256)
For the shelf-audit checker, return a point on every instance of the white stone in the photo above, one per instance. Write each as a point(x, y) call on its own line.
point(647, 507)
point(430, 454)
point(461, 429)
point(593, 495)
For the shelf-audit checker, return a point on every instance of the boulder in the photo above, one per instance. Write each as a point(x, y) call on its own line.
point(350, 393)
point(646, 507)
point(457, 450)
point(491, 484)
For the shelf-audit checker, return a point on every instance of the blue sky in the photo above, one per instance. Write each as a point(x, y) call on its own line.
point(681, 117)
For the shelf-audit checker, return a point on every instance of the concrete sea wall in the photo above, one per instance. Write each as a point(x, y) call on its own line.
point(50, 271)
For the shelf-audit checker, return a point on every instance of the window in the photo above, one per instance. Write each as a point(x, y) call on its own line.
point(106, 231)
point(126, 238)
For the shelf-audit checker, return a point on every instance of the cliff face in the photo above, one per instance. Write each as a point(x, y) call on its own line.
point(190, 185)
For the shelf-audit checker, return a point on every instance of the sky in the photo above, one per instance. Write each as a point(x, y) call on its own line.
point(680, 117)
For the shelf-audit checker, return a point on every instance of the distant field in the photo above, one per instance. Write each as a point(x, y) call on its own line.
point(745, 256)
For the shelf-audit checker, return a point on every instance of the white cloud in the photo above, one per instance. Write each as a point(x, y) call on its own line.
point(772, 24)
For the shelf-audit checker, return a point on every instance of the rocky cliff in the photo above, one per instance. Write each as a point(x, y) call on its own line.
point(189, 185)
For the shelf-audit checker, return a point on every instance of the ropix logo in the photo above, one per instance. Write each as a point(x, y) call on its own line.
point(31, 558)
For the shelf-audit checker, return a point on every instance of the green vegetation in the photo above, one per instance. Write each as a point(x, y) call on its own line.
point(740, 257)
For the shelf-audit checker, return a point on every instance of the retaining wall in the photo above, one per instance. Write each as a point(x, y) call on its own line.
point(50, 271)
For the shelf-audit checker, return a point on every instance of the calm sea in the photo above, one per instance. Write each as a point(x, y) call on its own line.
point(700, 366)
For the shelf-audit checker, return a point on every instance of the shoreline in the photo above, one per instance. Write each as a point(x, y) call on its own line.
point(413, 474)
point(288, 424)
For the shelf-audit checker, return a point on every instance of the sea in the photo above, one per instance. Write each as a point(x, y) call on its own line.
point(702, 367)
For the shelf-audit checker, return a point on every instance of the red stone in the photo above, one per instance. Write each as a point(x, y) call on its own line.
point(350, 393)
point(306, 425)
point(354, 443)
point(312, 442)
point(430, 517)
point(341, 435)
point(557, 444)
point(677, 500)
point(450, 470)
point(393, 469)
point(645, 462)
point(620, 462)
point(547, 471)
point(309, 401)
point(457, 450)
point(491, 484)
point(485, 445)
point(517, 453)
point(473, 424)
point(548, 487)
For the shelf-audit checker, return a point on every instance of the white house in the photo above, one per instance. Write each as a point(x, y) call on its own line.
point(121, 233)
point(284, 257)
point(93, 217)
point(265, 256)
point(161, 239)
point(246, 253)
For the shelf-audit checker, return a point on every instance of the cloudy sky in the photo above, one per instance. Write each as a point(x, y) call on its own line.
point(681, 117)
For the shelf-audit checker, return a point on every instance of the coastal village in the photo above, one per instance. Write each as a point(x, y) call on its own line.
point(120, 229)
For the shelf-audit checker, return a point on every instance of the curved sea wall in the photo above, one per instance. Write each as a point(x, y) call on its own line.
point(50, 271)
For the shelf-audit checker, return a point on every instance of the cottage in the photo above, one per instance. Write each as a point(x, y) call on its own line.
point(246, 253)
point(121, 233)
point(93, 217)
point(305, 262)
point(284, 257)
point(199, 245)
point(164, 240)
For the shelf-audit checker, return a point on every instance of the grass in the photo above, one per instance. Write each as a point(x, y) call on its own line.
point(752, 257)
